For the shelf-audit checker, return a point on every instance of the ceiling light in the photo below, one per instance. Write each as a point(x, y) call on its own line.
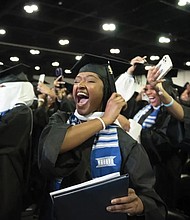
point(78, 57)
point(115, 51)
point(37, 68)
point(55, 63)
point(183, 2)
point(154, 57)
point(34, 7)
point(2, 31)
point(187, 63)
point(14, 59)
point(1, 63)
point(109, 27)
point(31, 8)
point(34, 52)
point(28, 9)
point(165, 40)
point(63, 42)
point(148, 67)
point(67, 71)
point(112, 27)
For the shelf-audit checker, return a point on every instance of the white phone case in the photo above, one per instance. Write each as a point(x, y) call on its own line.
point(164, 65)
point(42, 78)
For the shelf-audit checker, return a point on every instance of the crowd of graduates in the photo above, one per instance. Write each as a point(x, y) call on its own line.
point(37, 137)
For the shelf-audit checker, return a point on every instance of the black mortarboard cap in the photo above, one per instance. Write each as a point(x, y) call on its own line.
point(172, 73)
point(180, 89)
point(14, 74)
point(140, 69)
point(118, 66)
point(106, 68)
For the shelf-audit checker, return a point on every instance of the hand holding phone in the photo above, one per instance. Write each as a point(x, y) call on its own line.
point(59, 82)
point(164, 66)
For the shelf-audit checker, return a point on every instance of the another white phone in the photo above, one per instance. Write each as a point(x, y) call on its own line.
point(41, 78)
point(164, 65)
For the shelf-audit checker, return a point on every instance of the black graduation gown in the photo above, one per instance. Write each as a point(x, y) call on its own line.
point(162, 143)
point(186, 142)
point(15, 128)
point(74, 165)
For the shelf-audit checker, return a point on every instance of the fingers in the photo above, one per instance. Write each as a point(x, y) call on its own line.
point(58, 78)
point(113, 107)
point(139, 59)
point(118, 99)
point(122, 205)
point(131, 192)
point(57, 81)
point(126, 199)
point(39, 86)
point(117, 96)
point(130, 204)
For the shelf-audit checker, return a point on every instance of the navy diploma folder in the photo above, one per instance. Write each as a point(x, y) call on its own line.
point(88, 201)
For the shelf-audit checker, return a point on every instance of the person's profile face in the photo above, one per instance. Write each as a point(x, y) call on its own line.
point(88, 92)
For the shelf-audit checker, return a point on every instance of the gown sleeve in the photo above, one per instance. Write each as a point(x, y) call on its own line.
point(136, 163)
point(15, 130)
point(186, 142)
point(51, 162)
point(186, 114)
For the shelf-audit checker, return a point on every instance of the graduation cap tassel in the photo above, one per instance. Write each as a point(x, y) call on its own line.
point(110, 69)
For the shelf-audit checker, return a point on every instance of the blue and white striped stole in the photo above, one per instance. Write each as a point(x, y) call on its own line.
point(151, 119)
point(105, 154)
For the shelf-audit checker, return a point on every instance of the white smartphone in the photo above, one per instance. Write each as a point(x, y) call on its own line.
point(164, 65)
point(41, 78)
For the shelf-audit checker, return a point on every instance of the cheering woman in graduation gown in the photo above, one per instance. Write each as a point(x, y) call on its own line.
point(70, 149)
point(16, 95)
point(180, 110)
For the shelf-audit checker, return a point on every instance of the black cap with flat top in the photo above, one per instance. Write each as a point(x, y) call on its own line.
point(104, 67)
point(14, 74)
point(117, 66)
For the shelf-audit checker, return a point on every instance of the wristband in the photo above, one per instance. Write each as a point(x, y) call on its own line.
point(169, 104)
point(102, 122)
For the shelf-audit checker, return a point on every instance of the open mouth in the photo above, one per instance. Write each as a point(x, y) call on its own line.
point(82, 98)
point(152, 99)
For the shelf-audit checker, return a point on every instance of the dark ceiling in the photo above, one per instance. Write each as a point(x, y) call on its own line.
point(139, 25)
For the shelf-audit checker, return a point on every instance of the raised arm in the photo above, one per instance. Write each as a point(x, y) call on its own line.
point(172, 106)
point(81, 132)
